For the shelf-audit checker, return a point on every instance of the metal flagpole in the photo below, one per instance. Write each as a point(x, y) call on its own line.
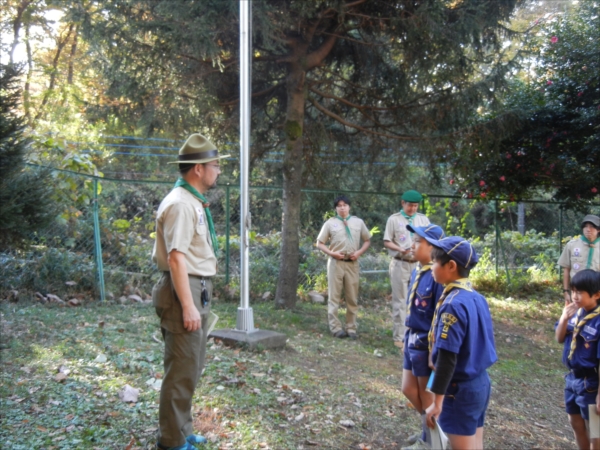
point(245, 318)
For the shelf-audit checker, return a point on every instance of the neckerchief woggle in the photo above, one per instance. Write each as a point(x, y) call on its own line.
point(409, 218)
point(345, 222)
point(211, 226)
point(591, 252)
point(461, 283)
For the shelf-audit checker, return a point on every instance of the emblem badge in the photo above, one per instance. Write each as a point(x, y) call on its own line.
point(576, 252)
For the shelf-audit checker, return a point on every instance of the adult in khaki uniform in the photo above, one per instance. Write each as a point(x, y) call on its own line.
point(581, 253)
point(398, 240)
point(184, 252)
point(344, 233)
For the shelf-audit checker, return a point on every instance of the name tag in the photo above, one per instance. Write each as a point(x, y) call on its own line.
point(200, 216)
point(590, 330)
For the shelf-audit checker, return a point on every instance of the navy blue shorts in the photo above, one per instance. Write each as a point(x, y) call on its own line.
point(579, 393)
point(464, 406)
point(417, 361)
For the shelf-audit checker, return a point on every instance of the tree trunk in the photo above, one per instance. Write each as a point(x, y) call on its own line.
point(287, 284)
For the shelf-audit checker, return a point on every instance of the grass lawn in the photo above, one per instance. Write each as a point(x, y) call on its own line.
point(63, 368)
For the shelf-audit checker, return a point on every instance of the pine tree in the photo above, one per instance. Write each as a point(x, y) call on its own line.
point(25, 197)
point(388, 77)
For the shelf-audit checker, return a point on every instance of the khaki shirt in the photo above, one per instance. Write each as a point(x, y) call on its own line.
point(181, 225)
point(334, 231)
point(575, 256)
point(396, 232)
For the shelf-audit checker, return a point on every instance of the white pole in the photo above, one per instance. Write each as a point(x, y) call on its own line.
point(245, 319)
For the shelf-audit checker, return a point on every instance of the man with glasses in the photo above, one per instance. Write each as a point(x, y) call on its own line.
point(185, 252)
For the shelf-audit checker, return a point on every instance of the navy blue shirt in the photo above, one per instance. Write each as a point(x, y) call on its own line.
point(587, 352)
point(421, 309)
point(464, 326)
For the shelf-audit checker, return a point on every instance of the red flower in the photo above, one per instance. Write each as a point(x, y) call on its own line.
point(451, 181)
point(482, 195)
point(508, 156)
point(482, 183)
point(549, 83)
point(579, 94)
point(594, 190)
point(502, 178)
point(554, 39)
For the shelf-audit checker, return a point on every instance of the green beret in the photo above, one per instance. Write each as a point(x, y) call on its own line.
point(412, 197)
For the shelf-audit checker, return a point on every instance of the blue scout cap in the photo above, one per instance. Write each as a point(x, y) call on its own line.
point(432, 231)
point(457, 249)
point(412, 197)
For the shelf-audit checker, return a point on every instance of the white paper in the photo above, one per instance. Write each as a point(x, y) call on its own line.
point(439, 440)
point(212, 321)
point(594, 422)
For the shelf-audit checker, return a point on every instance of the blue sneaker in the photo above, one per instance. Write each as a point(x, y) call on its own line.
point(196, 439)
point(186, 446)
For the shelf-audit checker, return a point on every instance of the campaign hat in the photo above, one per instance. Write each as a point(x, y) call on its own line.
point(198, 150)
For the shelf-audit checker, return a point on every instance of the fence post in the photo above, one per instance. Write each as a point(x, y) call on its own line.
point(227, 225)
point(98, 243)
point(497, 234)
point(560, 235)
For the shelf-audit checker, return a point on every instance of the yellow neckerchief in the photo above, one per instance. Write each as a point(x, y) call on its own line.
point(461, 283)
point(579, 325)
point(424, 268)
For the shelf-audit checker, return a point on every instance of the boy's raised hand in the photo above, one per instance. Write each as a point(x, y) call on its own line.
point(569, 310)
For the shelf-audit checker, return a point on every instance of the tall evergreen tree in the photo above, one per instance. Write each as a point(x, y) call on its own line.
point(25, 197)
point(377, 74)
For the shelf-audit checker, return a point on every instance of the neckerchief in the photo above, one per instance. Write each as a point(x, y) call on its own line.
point(461, 283)
point(409, 218)
point(579, 325)
point(211, 226)
point(345, 222)
point(591, 252)
point(421, 271)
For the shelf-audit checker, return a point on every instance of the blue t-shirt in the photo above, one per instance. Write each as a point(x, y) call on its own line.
point(587, 351)
point(421, 309)
point(464, 326)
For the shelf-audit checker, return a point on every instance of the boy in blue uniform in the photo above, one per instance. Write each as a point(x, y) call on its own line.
point(461, 345)
point(579, 329)
point(420, 303)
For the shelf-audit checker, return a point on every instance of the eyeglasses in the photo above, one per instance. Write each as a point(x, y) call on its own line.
point(216, 166)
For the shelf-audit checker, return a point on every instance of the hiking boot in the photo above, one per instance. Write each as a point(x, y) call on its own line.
point(340, 334)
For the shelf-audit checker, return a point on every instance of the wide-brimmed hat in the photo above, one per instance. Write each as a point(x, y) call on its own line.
point(198, 150)
point(594, 220)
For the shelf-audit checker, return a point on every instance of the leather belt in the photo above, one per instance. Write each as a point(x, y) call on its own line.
point(406, 260)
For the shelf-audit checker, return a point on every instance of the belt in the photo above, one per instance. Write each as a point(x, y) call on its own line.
point(584, 373)
point(345, 260)
point(201, 277)
point(404, 259)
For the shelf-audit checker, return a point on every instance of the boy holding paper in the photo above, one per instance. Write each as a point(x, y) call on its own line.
point(579, 329)
point(461, 345)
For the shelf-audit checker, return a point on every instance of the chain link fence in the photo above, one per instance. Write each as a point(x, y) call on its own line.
point(102, 243)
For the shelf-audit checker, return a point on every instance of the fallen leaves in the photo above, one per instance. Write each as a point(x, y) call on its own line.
point(129, 394)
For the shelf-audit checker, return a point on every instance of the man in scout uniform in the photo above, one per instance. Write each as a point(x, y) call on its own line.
point(344, 233)
point(581, 253)
point(185, 253)
point(398, 240)
point(462, 346)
